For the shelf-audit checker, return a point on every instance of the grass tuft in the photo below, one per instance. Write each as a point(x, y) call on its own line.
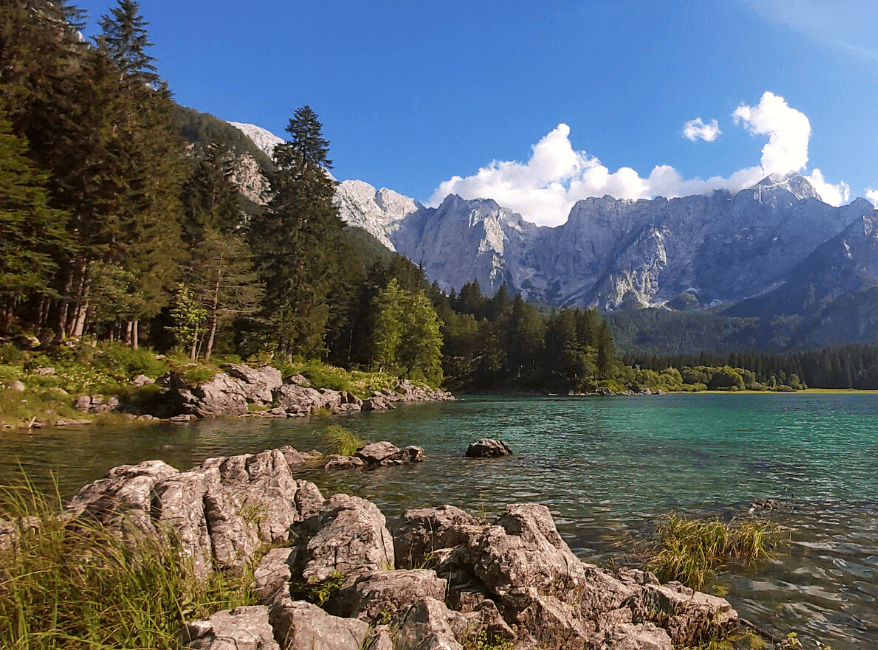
point(78, 584)
point(690, 550)
point(344, 441)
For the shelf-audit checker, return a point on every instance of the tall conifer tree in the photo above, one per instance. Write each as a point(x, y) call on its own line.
point(125, 39)
point(296, 239)
point(31, 234)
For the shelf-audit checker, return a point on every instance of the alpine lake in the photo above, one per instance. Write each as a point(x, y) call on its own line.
point(608, 468)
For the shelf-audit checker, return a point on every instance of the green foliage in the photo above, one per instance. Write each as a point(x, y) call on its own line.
point(201, 129)
point(84, 586)
point(189, 316)
point(198, 374)
point(325, 376)
point(482, 641)
point(38, 404)
point(690, 550)
point(322, 591)
point(31, 234)
point(344, 441)
point(121, 359)
point(407, 335)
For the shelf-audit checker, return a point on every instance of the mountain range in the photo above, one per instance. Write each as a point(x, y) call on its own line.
point(789, 269)
point(694, 251)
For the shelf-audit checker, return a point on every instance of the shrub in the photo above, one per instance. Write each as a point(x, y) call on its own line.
point(199, 375)
point(116, 356)
point(325, 376)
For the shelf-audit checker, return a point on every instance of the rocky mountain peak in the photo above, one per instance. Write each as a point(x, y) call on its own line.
point(262, 138)
point(795, 184)
point(377, 212)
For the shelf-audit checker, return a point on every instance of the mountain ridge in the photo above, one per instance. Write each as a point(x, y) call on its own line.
point(613, 253)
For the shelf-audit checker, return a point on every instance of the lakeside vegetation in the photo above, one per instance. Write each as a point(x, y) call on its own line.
point(692, 550)
point(86, 586)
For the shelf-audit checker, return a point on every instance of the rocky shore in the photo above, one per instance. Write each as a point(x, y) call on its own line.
point(331, 573)
point(241, 390)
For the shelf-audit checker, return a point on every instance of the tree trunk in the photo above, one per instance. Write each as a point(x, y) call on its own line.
point(214, 308)
point(63, 307)
point(210, 338)
point(194, 349)
point(7, 314)
point(135, 334)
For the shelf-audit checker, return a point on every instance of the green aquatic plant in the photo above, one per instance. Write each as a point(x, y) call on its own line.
point(344, 441)
point(691, 550)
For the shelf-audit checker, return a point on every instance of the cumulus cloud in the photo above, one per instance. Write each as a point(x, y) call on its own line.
point(788, 132)
point(695, 129)
point(545, 188)
point(872, 195)
point(838, 194)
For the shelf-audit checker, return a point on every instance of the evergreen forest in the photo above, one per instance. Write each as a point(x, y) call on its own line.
point(121, 220)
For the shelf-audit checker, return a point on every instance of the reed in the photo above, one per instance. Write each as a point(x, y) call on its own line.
point(76, 584)
point(690, 550)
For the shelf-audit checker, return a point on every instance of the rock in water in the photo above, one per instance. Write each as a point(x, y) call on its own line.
point(488, 448)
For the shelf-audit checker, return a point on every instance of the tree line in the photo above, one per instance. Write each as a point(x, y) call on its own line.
point(849, 366)
point(112, 228)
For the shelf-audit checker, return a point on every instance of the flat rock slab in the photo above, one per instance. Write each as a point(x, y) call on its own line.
point(243, 628)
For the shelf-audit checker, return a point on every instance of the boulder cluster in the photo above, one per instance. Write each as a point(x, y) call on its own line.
point(337, 576)
point(245, 390)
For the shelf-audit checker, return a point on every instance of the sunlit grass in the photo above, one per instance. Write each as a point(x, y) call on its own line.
point(344, 441)
point(66, 584)
point(691, 550)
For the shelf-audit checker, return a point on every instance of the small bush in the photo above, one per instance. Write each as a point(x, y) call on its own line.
point(323, 375)
point(691, 550)
point(199, 375)
point(10, 354)
point(129, 363)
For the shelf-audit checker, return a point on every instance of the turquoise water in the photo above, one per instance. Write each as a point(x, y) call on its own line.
point(607, 468)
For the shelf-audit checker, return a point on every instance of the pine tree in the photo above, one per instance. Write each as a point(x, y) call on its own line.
point(296, 240)
point(125, 39)
point(31, 234)
point(222, 281)
point(524, 335)
point(75, 17)
point(210, 194)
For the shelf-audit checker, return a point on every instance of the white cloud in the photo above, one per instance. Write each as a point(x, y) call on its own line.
point(872, 195)
point(832, 194)
point(695, 129)
point(545, 188)
point(788, 132)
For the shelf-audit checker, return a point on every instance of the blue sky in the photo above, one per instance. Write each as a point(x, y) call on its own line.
point(539, 104)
